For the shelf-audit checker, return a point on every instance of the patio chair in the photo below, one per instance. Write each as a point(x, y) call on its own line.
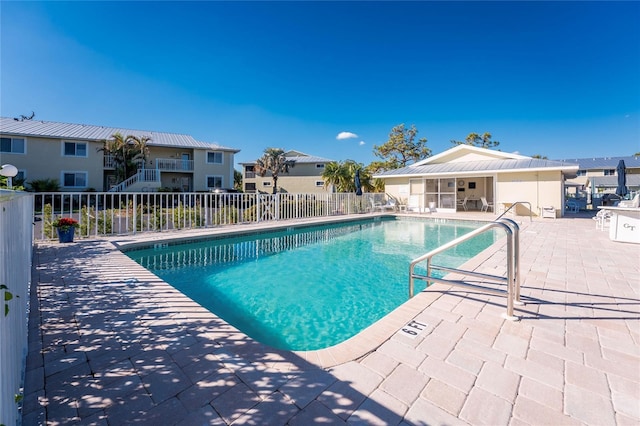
point(549, 211)
point(572, 206)
point(602, 218)
point(486, 205)
point(463, 203)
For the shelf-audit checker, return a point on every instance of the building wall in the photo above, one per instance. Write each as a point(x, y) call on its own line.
point(44, 160)
point(302, 178)
point(202, 169)
point(541, 189)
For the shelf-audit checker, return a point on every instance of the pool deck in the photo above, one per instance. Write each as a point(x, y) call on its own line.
point(112, 344)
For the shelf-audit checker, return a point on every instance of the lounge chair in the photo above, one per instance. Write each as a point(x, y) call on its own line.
point(389, 205)
point(633, 203)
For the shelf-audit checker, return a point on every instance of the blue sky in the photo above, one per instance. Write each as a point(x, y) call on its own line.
point(560, 79)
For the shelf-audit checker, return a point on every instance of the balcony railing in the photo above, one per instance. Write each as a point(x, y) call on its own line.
point(110, 163)
point(172, 164)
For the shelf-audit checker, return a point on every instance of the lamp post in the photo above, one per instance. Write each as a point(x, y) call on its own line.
point(10, 171)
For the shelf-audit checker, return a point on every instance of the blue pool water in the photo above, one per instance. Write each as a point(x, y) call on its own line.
point(308, 288)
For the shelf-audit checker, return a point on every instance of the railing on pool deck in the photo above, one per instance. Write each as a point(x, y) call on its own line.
point(120, 213)
point(512, 280)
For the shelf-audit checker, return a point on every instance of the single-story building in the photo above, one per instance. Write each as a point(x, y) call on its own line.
point(471, 178)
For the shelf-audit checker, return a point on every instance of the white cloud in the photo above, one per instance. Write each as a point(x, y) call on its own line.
point(346, 135)
point(362, 143)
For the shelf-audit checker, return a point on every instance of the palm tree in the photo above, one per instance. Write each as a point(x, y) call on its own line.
point(334, 174)
point(127, 152)
point(275, 162)
point(237, 180)
point(342, 176)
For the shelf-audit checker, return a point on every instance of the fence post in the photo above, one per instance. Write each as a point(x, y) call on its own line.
point(135, 214)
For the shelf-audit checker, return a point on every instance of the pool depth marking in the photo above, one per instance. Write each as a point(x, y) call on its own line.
point(413, 329)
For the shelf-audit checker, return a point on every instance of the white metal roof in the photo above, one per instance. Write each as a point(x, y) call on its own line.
point(51, 129)
point(299, 157)
point(474, 167)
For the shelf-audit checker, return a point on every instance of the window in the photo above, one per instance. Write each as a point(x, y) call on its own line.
point(250, 186)
point(12, 145)
point(214, 181)
point(319, 166)
point(319, 183)
point(74, 149)
point(266, 183)
point(214, 157)
point(610, 172)
point(74, 179)
point(581, 173)
point(22, 175)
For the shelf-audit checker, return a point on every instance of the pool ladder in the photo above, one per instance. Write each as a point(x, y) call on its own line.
point(512, 280)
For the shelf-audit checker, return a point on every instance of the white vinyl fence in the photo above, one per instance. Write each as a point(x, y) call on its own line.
point(113, 213)
point(16, 242)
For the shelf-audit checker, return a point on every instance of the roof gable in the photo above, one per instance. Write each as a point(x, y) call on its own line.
point(293, 153)
point(468, 153)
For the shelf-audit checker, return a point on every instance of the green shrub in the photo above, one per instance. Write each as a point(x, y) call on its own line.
point(225, 215)
point(186, 216)
point(47, 221)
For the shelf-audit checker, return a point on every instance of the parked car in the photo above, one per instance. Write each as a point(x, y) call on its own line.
point(610, 199)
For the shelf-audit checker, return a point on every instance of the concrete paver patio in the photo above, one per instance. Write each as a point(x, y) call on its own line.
point(110, 343)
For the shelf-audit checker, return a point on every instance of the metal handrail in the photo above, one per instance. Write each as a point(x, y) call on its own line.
point(515, 204)
point(512, 280)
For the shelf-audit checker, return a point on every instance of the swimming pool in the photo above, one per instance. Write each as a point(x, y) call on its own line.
point(311, 287)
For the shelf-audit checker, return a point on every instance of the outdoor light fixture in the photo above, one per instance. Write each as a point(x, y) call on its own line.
point(10, 171)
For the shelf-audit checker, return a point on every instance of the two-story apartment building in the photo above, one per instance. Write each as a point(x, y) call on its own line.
point(73, 154)
point(600, 173)
point(598, 176)
point(304, 177)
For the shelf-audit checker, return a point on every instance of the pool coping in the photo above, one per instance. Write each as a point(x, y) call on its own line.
point(354, 347)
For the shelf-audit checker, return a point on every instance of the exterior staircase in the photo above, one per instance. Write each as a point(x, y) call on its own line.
point(143, 181)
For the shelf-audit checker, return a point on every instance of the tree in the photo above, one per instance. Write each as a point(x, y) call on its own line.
point(342, 176)
point(475, 139)
point(237, 180)
point(128, 153)
point(542, 157)
point(401, 148)
point(44, 185)
point(275, 162)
